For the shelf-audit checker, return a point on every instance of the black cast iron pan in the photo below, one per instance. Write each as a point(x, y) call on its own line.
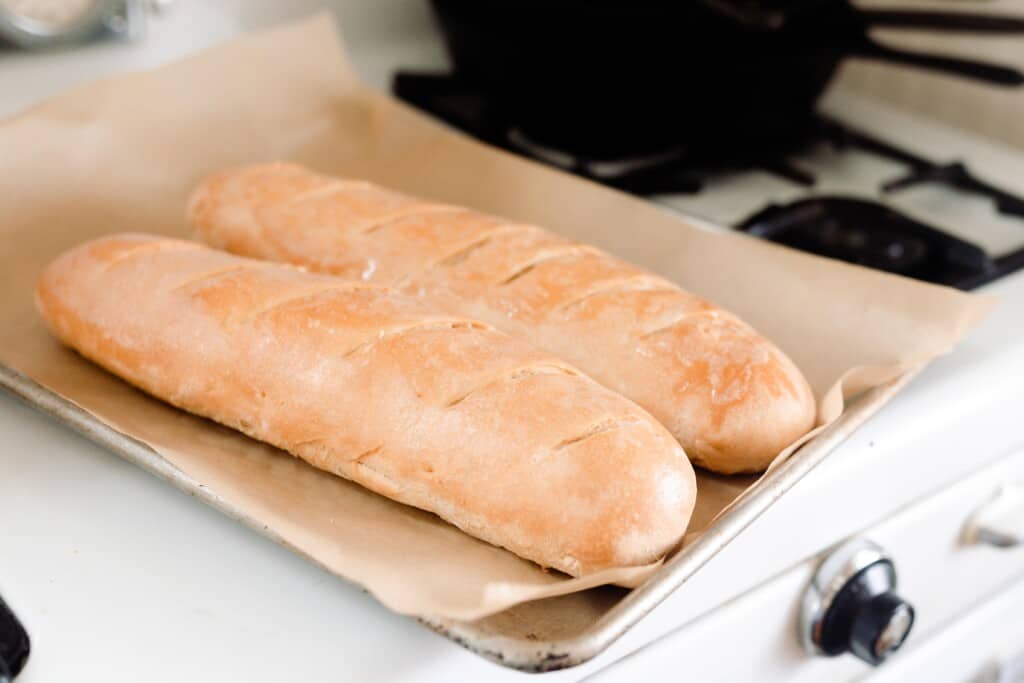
point(611, 77)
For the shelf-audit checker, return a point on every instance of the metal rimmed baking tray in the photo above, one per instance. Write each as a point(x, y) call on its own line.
point(544, 635)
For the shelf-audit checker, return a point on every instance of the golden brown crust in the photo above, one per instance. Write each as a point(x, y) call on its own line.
point(732, 398)
point(436, 411)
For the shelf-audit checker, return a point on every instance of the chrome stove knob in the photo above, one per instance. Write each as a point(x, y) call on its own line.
point(851, 605)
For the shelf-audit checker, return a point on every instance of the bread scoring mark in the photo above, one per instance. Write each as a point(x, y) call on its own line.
point(332, 287)
point(358, 460)
point(514, 375)
point(595, 429)
point(390, 333)
point(308, 442)
point(420, 210)
point(708, 312)
point(545, 256)
point(462, 253)
point(333, 187)
point(157, 246)
point(375, 480)
point(636, 283)
point(214, 275)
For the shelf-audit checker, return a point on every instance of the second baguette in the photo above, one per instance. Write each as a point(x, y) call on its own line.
point(732, 398)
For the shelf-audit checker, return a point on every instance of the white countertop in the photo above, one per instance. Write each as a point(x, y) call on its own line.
point(380, 36)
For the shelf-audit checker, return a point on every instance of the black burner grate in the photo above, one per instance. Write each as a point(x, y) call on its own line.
point(876, 236)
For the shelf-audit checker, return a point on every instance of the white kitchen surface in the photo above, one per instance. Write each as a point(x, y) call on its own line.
point(380, 36)
point(120, 577)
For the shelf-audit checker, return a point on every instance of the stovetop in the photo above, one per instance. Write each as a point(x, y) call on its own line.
point(839, 186)
point(875, 204)
point(982, 229)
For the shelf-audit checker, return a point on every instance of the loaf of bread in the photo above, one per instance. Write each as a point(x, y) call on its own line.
point(731, 398)
point(437, 411)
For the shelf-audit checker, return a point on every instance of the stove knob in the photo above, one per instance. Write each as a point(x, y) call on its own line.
point(851, 605)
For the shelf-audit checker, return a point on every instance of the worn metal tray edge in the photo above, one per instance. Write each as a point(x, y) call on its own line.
point(518, 653)
point(540, 656)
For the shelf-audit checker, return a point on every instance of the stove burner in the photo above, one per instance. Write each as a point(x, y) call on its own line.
point(873, 235)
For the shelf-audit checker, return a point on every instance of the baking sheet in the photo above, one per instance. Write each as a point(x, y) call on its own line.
point(123, 153)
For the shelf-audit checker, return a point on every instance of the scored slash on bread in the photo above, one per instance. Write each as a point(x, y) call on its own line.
point(434, 410)
point(731, 398)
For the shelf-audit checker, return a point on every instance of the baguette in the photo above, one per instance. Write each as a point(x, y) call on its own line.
point(437, 411)
point(731, 398)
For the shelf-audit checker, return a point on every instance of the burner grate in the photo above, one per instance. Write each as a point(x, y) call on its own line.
point(853, 230)
point(955, 174)
point(869, 234)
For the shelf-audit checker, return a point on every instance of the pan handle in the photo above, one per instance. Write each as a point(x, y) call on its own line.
point(981, 71)
point(960, 22)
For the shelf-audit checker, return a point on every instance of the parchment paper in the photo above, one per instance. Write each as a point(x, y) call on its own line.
point(122, 154)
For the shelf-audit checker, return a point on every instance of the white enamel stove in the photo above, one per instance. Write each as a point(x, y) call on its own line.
point(111, 572)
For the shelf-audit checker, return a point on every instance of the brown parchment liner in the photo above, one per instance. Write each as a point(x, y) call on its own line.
point(122, 154)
